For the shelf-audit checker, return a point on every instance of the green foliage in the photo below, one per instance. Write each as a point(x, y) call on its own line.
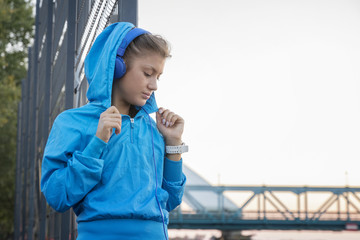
point(9, 95)
point(16, 30)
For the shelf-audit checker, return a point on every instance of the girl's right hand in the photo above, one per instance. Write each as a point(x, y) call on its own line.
point(109, 119)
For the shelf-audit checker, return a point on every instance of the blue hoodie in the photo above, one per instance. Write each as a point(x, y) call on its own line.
point(115, 181)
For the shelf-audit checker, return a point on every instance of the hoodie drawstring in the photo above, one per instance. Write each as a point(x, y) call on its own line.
point(157, 200)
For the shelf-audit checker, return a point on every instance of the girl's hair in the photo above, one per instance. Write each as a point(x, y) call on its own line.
point(145, 44)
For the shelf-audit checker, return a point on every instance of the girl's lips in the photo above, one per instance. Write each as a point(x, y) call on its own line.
point(146, 95)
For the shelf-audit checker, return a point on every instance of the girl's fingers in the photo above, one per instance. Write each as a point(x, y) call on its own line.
point(112, 109)
point(164, 116)
point(167, 118)
point(164, 112)
point(118, 129)
point(109, 119)
point(173, 119)
point(113, 124)
point(112, 120)
point(158, 117)
point(113, 115)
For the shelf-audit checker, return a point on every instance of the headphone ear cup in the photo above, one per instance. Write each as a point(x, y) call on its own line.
point(120, 68)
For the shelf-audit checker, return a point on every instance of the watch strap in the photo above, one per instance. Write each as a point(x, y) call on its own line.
point(177, 149)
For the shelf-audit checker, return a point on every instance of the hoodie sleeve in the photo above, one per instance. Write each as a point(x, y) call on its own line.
point(68, 174)
point(173, 182)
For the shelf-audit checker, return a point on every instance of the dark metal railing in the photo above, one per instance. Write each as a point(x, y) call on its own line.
point(269, 207)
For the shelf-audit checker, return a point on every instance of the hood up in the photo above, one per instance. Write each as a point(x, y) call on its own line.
point(100, 66)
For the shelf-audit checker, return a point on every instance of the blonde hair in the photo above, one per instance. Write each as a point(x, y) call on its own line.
point(145, 44)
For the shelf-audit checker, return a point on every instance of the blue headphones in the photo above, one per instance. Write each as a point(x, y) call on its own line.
point(120, 67)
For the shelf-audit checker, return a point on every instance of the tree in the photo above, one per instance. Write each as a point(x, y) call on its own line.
point(16, 31)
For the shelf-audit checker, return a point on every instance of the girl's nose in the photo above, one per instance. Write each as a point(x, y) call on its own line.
point(153, 84)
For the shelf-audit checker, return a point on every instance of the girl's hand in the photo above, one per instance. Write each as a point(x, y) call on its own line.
point(109, 119)
point(170, 125)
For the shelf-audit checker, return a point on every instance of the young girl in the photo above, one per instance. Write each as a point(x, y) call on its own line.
point(119, 170)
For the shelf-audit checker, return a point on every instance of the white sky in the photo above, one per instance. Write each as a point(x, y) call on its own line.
point(269, 90)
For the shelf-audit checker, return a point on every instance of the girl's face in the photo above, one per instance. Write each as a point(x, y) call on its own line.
point(140, 81)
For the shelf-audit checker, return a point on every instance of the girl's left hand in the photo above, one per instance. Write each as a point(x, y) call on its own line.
point(170, 125)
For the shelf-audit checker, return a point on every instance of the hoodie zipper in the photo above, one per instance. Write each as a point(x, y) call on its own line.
point(132, 130)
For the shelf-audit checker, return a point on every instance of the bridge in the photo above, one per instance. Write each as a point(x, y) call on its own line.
point(266, 207)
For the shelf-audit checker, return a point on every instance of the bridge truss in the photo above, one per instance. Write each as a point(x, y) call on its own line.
point(268, 207)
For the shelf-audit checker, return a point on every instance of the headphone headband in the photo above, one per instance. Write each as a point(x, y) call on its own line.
point(120, 66)
point(130, 36)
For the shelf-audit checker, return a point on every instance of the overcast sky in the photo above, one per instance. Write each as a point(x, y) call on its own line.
point(269, 90)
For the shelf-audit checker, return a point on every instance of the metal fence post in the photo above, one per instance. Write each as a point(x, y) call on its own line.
point(128, 11)
point(69, 91)
point(33, 127)
point(70, 65)
point(17, 208)
point(46, 115)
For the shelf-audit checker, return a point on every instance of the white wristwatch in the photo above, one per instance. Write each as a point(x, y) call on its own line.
point(177, 149)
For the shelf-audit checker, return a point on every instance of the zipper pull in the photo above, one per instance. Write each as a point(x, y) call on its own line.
point(132, 122)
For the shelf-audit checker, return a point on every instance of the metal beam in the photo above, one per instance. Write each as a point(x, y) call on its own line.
point(70, 62)
point(17, 208)
point(128, 11)
point(32, 128)
point(295, 189)
point(69, 90)
point(263, 217)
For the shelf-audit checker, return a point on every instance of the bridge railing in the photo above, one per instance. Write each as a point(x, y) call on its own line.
point(271, 215)
point(283, 207)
